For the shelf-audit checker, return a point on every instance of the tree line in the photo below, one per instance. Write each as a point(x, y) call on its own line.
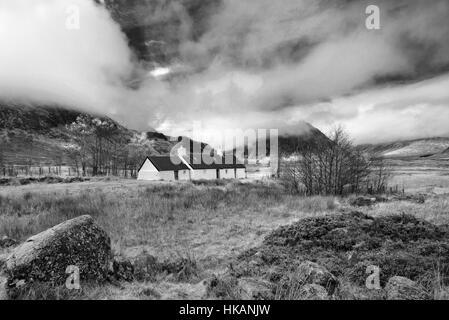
point(102, 147)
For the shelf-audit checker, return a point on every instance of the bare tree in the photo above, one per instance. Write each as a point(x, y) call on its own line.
point(99, 142)
point(380, 174)
point(332, 167)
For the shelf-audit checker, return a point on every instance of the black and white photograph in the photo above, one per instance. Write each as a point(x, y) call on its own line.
point(244, 152)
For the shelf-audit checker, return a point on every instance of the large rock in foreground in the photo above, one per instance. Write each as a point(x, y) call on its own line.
point(45, 257)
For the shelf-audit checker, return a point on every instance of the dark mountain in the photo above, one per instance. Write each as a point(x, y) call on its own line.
point(34, 119)
point(308, 137)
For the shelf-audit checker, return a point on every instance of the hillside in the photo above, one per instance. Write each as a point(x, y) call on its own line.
point(420, 148)
point(34, 135)
point(41, 119)
point(289, 144)
point(37, 135)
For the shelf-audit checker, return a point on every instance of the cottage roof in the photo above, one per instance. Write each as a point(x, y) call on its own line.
point(166, 163)
point(196, 161)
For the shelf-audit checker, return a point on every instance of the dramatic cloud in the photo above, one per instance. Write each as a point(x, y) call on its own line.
point(43, 61)
point(235, 64)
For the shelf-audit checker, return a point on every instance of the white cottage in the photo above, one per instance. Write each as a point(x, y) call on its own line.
point(162, 168)
point(192, 167)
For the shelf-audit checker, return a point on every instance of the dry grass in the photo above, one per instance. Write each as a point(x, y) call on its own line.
point(211, 222)
point(208, 222)
point(434, 210)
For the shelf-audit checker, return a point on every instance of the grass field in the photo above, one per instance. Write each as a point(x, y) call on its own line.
point(205, 223)
point(421, 175)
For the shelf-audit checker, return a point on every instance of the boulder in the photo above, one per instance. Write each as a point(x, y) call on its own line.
point(312, 273)
point(400, 288)
point(313, 292)
point(45, 257)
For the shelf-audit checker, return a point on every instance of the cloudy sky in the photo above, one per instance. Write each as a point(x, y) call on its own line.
point(234, 64)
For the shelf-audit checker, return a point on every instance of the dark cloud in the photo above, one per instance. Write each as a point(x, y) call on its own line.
point(157, 28)
point(234, 63)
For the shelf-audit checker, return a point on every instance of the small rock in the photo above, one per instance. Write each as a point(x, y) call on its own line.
point(20, 283)
point(312, 273)
point(313, 292)
point(7, 242)
point(122, 270)
point(146, 267)
point(363, 201)
point(338, 232)
point(223, 287)
point(255, 289)
point(400, 288)
point(150, 292)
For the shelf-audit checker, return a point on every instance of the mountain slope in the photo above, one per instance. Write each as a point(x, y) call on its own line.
point(34, 135)
point(38, 135)
point(418, 148)
point(308, 137)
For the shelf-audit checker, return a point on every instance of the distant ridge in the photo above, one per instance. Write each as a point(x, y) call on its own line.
point(417, 148)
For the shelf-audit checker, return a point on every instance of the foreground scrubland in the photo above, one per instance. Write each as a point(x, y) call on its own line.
point(192, 241)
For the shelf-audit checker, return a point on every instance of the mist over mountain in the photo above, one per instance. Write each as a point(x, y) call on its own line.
point(231, 64)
